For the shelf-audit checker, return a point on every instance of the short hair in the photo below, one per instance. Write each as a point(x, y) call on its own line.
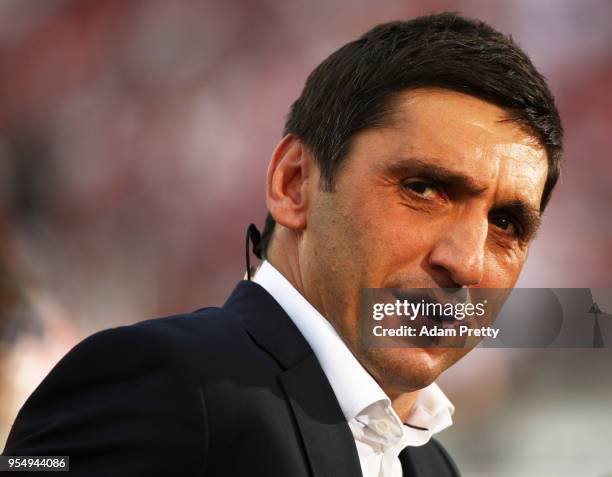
point(354, 88)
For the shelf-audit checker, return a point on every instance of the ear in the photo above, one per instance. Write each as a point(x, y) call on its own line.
point(290, 176)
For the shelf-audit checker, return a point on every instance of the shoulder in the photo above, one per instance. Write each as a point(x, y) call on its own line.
point(129, 384)
point(180, 341)
point(175, 351)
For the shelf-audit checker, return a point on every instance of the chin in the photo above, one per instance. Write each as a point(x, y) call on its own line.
point(408, 369)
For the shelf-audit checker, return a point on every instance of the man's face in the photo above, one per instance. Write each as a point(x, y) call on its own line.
point(447, 195)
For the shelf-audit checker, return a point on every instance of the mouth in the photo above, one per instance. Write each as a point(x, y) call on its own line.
point(435, 303)
point(426, 317)
point(435, 311)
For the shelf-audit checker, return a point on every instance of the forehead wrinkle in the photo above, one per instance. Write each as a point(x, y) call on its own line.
point(432, 168)
point(414, 135)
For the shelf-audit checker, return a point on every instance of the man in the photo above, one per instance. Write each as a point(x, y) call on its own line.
point(420, 155)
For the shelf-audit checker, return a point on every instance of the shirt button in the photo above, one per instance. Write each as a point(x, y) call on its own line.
point(383, 426)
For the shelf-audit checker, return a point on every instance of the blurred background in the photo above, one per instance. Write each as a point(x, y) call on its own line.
point(134, 139)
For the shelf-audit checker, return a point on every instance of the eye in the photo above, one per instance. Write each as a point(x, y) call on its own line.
point(507, 224)
point(421, 188)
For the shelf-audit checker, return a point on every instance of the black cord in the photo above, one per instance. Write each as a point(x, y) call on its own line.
point(253, 236)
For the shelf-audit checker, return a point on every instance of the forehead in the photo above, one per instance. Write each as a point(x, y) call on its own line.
point(456, 131)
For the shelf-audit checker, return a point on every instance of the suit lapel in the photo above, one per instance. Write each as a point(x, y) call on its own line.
point(327, 438)
point(429, 460)
point(408, 463)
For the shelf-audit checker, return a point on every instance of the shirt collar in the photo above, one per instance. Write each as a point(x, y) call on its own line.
point(353, 386)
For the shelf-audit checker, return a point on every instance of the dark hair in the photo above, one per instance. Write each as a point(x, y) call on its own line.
point(354, 88)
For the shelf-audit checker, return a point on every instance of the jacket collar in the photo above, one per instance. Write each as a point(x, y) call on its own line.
point(327, 438)
point(267, 323)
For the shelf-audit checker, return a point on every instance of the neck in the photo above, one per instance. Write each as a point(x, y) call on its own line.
point(283, 255)
point(403, 403)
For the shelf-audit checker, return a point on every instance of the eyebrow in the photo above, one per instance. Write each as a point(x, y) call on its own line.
point(528, 215)
point(437, 173)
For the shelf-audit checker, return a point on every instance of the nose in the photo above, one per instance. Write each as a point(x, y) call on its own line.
point(458, 257)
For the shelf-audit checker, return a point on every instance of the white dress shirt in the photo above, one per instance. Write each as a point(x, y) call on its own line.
point(378, 431)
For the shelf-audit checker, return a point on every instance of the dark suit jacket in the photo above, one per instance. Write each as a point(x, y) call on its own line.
point(231, 391)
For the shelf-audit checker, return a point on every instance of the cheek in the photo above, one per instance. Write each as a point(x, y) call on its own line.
point(393, 239)
point(386, 234)
point(502, 270)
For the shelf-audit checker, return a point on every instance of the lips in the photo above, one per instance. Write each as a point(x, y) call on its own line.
point(428, 317)
point(431, 321)
point(434, 296)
